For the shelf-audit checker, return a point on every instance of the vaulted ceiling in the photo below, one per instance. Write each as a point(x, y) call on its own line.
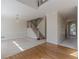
point(27, 9)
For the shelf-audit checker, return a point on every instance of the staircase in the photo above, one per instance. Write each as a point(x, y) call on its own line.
point(37, 32)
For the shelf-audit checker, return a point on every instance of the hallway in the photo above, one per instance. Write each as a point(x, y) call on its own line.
point(72, 43)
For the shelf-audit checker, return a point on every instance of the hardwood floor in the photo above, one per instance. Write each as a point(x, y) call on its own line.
point(46, 51)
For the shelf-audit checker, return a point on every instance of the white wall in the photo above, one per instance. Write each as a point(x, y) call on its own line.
point(11, 27)
point(61, 29)
point(13, 7)
point(31, 33)
point(52, 31)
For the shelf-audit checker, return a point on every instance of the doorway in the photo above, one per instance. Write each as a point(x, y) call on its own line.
point(71, 30)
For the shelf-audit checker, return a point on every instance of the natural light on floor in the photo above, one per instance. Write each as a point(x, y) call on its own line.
point(14, 42)
point(75, 54)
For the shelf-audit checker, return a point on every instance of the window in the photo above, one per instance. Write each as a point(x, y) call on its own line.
point(40, 2)
point(72, 29)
